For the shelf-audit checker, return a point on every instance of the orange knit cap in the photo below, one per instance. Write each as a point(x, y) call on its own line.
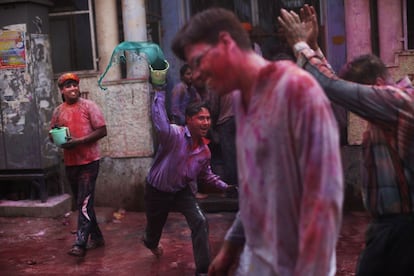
point(247, 26)
point(67, 76)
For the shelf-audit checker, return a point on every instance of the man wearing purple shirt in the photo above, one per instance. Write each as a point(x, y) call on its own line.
point(182, 158)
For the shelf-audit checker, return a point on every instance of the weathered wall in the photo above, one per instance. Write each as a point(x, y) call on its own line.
point(126, 107)
point(26, 98)
point(404, 65)
point(121, 182)
point(351, 162)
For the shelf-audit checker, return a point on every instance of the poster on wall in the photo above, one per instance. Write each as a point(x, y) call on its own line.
point(12, 49)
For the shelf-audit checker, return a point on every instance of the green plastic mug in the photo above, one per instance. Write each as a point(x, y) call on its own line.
point(60, 135)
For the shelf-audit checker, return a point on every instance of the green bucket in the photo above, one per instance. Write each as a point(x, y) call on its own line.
point(60, 135)
point(159, 73)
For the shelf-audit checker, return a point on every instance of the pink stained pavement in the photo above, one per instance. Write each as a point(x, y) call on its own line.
point(38, 246)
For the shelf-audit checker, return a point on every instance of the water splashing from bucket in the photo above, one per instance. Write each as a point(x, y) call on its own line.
point(152, 53)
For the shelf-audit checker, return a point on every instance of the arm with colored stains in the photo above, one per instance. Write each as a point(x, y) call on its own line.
point(160, 117)
point(230, 251)
point(320, 169)
point(378, 104)
point(207, 176)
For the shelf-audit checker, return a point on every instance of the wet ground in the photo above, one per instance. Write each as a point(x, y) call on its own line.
point(38, 246)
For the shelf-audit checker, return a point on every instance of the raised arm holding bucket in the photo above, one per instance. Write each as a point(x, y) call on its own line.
point(153, 54)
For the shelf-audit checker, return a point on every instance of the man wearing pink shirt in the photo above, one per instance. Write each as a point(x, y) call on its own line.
point(81, 154)
point(290, 173)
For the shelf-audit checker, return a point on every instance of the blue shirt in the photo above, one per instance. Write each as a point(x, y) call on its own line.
point(176, 164)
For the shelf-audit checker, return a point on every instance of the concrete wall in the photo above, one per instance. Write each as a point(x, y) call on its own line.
point(352, 165)
point(121, 183)
point(404, 65)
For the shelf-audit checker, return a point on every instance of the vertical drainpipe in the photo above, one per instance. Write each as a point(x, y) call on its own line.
point(135, 27)
point(107, 36)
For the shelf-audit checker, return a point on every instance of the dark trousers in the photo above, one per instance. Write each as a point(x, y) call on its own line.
point(82, 180)
point(157, 206)
point(389, 247)
point(227, 134)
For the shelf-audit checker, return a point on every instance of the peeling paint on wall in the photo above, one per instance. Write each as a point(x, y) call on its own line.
point(27, 104)
point(17, 88)
point(44, 94)
point(15, 101)
point(14, 98)
point(41, 72)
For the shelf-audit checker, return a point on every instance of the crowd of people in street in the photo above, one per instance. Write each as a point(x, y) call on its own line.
point(280, 146)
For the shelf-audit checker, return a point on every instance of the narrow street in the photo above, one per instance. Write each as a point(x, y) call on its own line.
point(37, 246)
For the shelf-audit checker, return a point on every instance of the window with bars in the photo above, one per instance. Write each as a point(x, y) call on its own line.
point(72, 36)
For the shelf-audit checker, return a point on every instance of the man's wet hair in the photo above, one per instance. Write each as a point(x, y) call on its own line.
point(206, 26)
point(184, 68)
point(364, 69)
point(195, 107)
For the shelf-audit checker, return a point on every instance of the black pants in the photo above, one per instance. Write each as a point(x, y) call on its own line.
point(157, 206)
point(82, 180)
point(389, 247)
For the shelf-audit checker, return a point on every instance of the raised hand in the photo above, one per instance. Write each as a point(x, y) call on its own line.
point(293, 29)
point(310, 23)
point(297, 29)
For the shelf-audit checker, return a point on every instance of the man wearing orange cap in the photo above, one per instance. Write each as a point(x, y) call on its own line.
point(86, 125)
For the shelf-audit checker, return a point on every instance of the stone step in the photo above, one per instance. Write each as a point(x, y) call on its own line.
point(218, 203)
point(54, 206)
